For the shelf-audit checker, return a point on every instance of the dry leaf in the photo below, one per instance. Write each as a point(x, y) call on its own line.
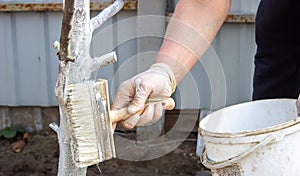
point(18, 146)
point(26, 137)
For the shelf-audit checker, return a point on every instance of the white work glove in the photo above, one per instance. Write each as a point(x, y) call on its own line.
point(154, 85)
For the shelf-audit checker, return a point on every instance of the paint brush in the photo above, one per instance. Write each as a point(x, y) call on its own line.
point(90, 121)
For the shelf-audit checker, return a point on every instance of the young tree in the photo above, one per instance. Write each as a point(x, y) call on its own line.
point(76, 65)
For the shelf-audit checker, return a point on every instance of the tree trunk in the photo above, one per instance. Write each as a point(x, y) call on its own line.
point(76, 66)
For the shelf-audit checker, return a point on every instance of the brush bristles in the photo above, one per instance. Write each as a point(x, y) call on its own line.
point(83, 116)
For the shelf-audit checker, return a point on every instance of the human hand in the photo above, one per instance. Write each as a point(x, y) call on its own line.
point(140, 93)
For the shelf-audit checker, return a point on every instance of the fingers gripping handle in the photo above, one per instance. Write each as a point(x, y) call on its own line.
point(122, 114)
point(131, 122)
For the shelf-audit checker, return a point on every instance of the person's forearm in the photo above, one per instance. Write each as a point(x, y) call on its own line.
point(191, 30)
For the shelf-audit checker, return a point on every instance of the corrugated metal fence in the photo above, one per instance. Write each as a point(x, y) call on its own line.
point(28, 62)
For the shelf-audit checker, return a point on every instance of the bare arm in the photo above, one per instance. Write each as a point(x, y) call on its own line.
point(191, 30)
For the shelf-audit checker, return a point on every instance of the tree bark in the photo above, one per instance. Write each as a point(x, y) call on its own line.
point(76, 66)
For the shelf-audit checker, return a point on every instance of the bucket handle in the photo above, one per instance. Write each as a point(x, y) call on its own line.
point(220, 164)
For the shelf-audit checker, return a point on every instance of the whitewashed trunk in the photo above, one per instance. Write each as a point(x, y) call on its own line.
point(75, 66)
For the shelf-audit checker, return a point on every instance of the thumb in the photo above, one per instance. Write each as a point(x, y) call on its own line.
point(142, 92)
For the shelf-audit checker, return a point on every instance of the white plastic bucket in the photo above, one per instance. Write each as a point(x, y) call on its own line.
point(255, 138)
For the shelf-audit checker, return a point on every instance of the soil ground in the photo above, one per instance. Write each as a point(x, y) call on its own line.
point(40, 157)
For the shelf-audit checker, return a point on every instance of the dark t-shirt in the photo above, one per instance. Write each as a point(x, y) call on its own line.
point(277, 60)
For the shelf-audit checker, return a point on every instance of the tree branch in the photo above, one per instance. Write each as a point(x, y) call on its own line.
point(102, 61)
point(64, 52)
point(107, 13)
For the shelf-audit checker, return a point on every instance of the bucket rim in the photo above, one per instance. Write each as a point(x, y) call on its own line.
point(252, 132)
point(270, 129)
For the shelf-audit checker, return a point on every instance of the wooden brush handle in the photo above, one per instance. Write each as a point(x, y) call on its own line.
point(122, 114)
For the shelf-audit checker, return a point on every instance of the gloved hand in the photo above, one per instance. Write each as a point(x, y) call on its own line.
point(155, 84)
